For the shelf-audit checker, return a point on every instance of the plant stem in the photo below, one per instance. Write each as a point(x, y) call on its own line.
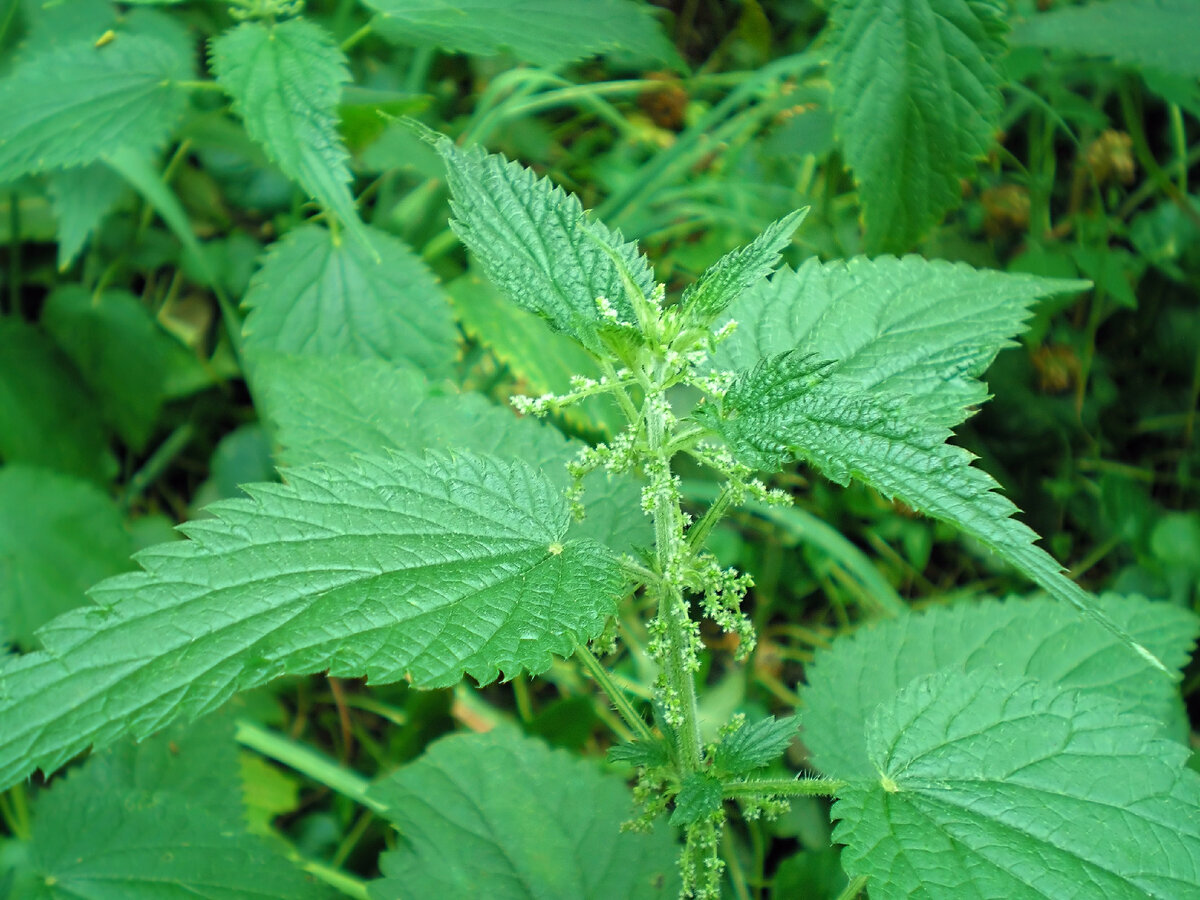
point(614, 692)
point(306, 761)
point(784, 787)
point(349, 42)
point(678, 657)
point(158, 462)
point(337, 879)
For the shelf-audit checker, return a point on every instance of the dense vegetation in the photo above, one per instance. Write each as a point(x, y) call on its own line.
point(615, 554)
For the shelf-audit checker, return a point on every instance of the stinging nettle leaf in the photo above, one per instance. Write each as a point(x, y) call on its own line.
point(385, 567)
point(82, 197)
point(1039, 639)
point(317, 296)
point(1155, 34)
point(156, 820)
point(47, 417)
point(59, 535)
point(326, 410)
point(78, 103)
point(286, 80)
point(883, 362)
point(534, 242)
point(699, 797)
point(739, 270)
point(756, 744)
point(917, 99)
point(986, 785)
point(547, 33)
point(503, 816)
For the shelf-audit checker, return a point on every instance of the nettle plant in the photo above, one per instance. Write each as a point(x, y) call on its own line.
point(1030, 748)
point(1026, 748)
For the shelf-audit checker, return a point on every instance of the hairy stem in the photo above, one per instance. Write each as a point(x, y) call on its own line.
point(783, 787)
point(614, 692)
point(678, 657)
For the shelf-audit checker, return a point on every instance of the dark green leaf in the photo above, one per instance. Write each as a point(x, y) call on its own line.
point(756, 744)
point(698, 798)
point(504, 817)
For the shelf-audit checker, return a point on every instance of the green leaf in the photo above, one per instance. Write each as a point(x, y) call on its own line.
point(58, 537)
point(546, 33)
point(534, 242)
point(81, 197)
point(157, 819)
point(1035, 639)
point(907, 339)
point(698, 798)
point(318, 296)
point(127, 359)
point(286, 80)
point(502, 816)
point(543, 360)
point(790, 406)
point(384, 567)
point(47, 417)
point(326, 410)
point(895, 326)
point(78, 103)
point(985, 785)
point(1154, 34)
point(736, 272)
point(755, 745)
point(639, 753)
point(917, 99)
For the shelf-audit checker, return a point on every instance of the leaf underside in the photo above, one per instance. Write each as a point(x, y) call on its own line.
point(917, 99)
point(384, 567)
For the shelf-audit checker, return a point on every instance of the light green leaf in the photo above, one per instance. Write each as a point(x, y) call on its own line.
point(756, 744)
point(384, 567)
point(791, 406)
point(546, 33)
point(698, 798)
point(123, 354)
point(917, 99)
point(534, 242)
point(502, 816)
point(985, 785)
point(317, 296)
point(326, 410)
point(895, 326)
point(639, 753)
point(58, 537)
point(540, 358)
point(47, 417)
point(78, 103)
point(736, 272)
point(158, 819)
point(81, 197)
point(286, 80)
point(1035, 639)
point(1155, 34)
point(905, 340)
